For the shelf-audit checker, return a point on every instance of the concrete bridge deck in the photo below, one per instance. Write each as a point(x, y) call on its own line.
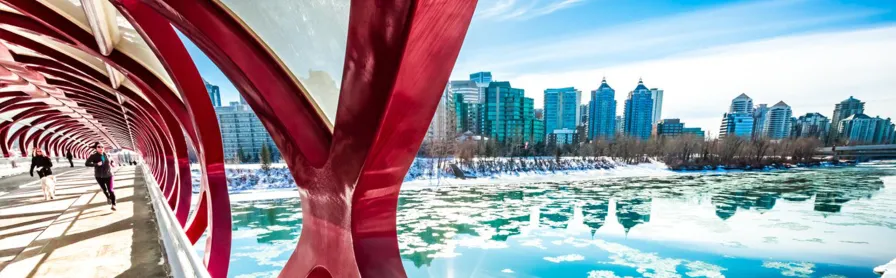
point(77, 234)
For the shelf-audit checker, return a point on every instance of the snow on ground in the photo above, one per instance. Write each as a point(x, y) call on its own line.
point(618, 170)
point(249, 178)
point(4, 172)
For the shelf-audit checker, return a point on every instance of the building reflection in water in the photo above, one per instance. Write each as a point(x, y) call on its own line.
point(278, 217)
point(505, 211)
point(632, 211)
point(432, 222)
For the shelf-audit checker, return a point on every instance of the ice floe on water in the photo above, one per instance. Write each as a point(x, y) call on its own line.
point(681, 225)
point(565, 258)
point(792, 269)
point(601, 274)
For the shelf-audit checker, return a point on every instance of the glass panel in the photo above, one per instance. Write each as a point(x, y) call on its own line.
point(308, 36)
point(70, 9)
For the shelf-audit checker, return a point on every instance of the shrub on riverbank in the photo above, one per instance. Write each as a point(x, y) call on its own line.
point(685, 152)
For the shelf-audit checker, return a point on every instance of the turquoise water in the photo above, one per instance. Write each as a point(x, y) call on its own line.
point(823, 222)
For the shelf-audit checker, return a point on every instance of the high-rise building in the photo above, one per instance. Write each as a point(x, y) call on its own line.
point(538, 133)
point(843, 110)
point(602, 121)
point(582, 128)
point(857, 129)
point(760, 115)
point(539, 125)
point(242, 131)
point(468, 88)
point(741, 104)
point(583, 116)
point(507, 115)
point(777, 125)
point(639, 112)
point(736, 124)
point(582, 133)
point(482, 79)
point(657, 114)
point(812, 125)
point(696, 131)
point(739, 119)
point(884, 131)
point(561, 109)
point(669, 127)
point(466, 104)
point(444, 122)
point(467, 115)
point(620, 125)
point(214, 93)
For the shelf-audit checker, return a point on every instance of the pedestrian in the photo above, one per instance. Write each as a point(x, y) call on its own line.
point(44, 171)
point(68, 155)
point(102, 170)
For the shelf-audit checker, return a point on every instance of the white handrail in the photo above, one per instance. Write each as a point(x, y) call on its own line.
point(182, 260)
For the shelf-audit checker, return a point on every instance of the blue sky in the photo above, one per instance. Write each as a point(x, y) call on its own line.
point(808, 53)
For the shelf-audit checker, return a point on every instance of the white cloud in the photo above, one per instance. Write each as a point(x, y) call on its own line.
point(644, 38)
point(502, 10)
point(809, 72)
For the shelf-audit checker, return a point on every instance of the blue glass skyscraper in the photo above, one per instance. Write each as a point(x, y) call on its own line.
point(561, 109)
point(602, 112)
point(639, 112)
point(214, 93)
point(508, 116)
point(483, 78)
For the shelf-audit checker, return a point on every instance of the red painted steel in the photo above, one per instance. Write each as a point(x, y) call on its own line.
point(349, 179)
point(163, 40)
point(372, 82)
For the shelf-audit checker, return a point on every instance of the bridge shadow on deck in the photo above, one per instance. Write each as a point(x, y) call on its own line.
point(77, 235)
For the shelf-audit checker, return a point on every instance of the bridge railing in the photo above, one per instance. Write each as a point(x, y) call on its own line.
point(17, 165)
point(14, 165)
point(182, 259)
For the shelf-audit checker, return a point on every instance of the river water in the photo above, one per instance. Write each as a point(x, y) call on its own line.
point(819, 222)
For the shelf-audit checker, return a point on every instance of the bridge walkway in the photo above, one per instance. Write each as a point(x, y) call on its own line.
point(77, 234)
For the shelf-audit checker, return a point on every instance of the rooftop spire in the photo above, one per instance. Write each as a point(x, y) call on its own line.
point(641, 85)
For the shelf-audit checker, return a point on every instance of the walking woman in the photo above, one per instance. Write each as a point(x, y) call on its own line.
point(69, 156)
point(102, 170)
point(44, 171)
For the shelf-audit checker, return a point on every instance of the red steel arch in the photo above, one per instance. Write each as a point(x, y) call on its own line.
point(349, 174)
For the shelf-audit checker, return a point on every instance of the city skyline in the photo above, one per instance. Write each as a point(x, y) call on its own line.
point(767, 49)
point(711, 50)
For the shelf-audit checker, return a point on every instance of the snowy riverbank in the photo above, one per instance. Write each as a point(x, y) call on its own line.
point(425, 172)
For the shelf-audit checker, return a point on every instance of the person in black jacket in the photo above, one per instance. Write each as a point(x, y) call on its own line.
point(69, 156)
point(42, 162)
point(102, 170)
